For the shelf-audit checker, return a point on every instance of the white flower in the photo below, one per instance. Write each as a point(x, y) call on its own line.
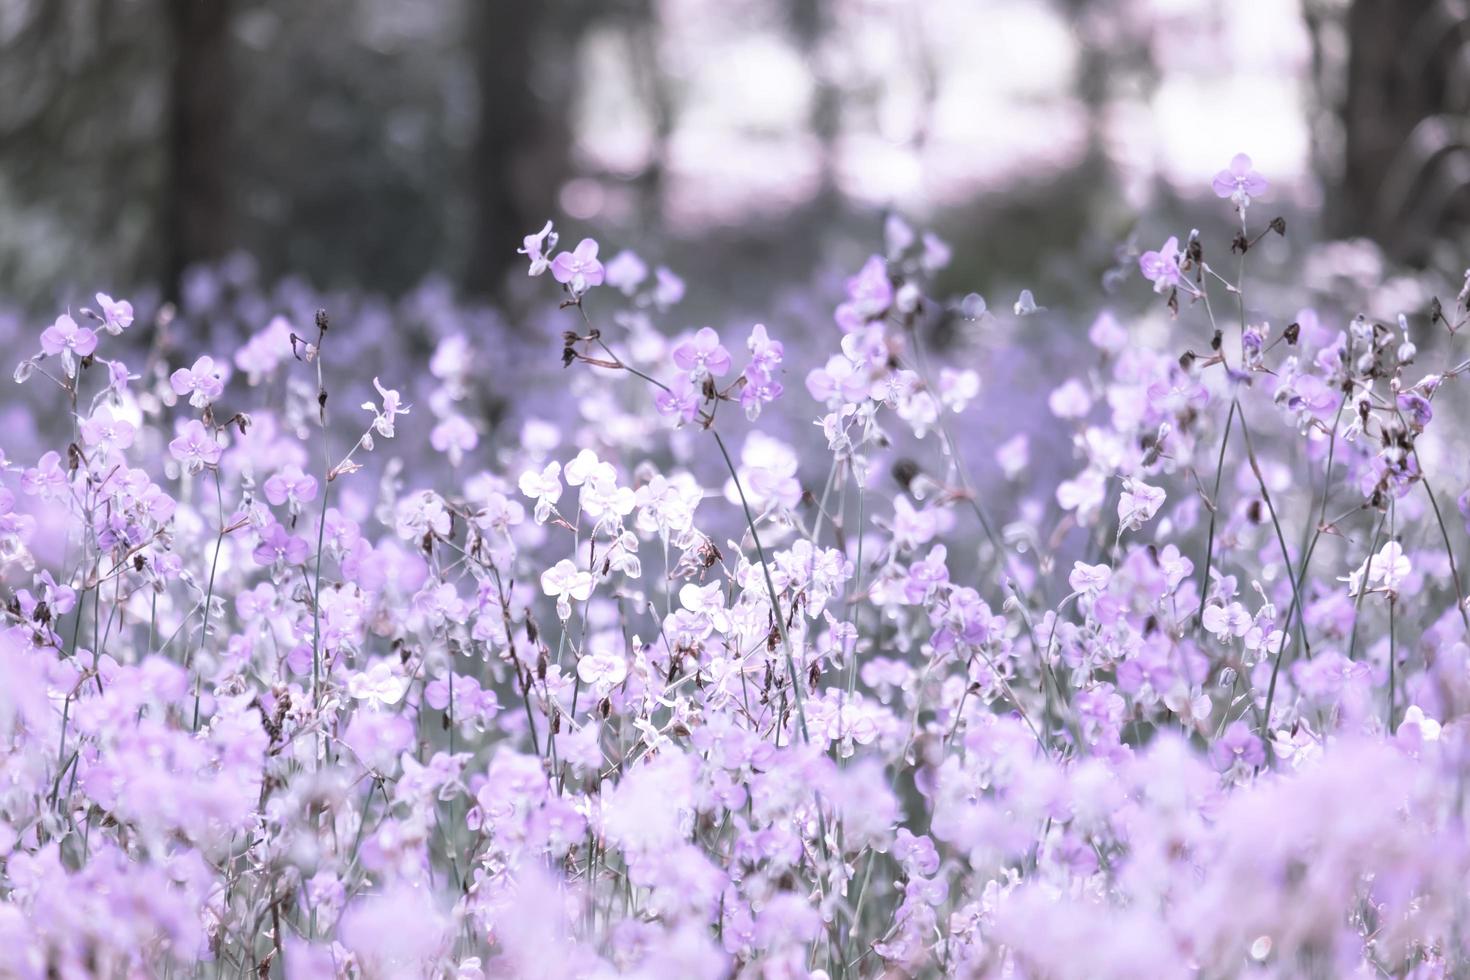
point(1388, 569)
point(1222, 621)
point(1428, 727)
point(1070, 401)
point(392, 408)
point(379, 685)
point(564, 582)
point(602, 669)
point(1089, 578)
point(544, 488)
point(1138, 504)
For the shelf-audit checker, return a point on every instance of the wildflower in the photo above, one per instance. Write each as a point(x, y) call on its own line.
point(760, 389)
point(278, 545)
point(668, 288)
point(579, 269)
point(392, 408)
point(1014, 455)
point(1138, 503)
point(195, 447)
point(1090, 579)
point(1070, 401)
point(1239, 182)
point(702, 356)
point(544, 488)
point(117, 315)
point(1162, 268)
point(1415, 721)
point(564, 582)
point(1238, 747)
point(765, 354)
point(290, 485)
point(869, 295)
point(380, 685)
point(1388, 569)
point(536, 247)
point(1416, 410)
point(454, 436)
point(203, 383)
point(625, 271)
point(680, 400)
point(603, 670)
point(64, 337)
point(1229, 620)
point(104, 430)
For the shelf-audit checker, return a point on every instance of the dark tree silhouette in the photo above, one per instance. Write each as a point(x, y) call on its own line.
point(524, 61)
point(197, 213)
point(1406, 143)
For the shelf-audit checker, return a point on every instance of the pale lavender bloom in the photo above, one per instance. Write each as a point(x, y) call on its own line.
point(104, 430)
point(454, 436)
point(625, 272)
point(702, 355)
point(117, 315)
point(1239, 182)
point(760, 390)
point(195, 446)
point(1238, 747)
point(64, 337)
point(392, 408)
point(203, 383)
point(680, 400)
point(279, 545)
point(564, 582)
point(1162, 267)
point(869, 295)
point(579, 269)
point(668, 288)
point(290, 485)
point(537, 246)
point(603, 670)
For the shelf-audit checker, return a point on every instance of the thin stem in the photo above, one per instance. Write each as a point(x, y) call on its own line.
point(1214, 502)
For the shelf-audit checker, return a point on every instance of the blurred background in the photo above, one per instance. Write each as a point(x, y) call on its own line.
point(374, 144)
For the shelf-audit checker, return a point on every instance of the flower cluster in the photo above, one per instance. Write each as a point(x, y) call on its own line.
point(583, 675)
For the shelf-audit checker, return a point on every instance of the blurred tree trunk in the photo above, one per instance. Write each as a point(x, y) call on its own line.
point(197, 219)
point(524, 56)
point(810, 22)
point(1395, 81)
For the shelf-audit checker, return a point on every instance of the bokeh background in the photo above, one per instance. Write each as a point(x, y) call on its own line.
point(373, 144)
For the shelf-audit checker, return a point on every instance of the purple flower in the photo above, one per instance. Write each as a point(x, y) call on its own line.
point(703, 355)
point(279, 545)
point(668, 288)
point(117, 315)
point(1416, 409)
point(1238, 747)
point(681, 399)
point(203, 383)
point(290, 485)
point(760, 390)
point(195, 447)
point(626, 271)
point(64, 337)
point(536, 246)
point(454, 436)
point(1162, 267)
point(579, 269)
point(869, 295)
point(765, 354)
point(1239, 182)
point(104, 430)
